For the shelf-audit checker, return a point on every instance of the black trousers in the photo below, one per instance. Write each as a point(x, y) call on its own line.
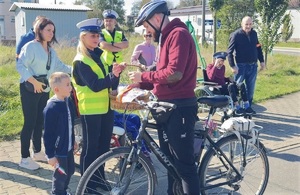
point(234, 90)
point(33, 105)
point(62, 174)
point(96, 134)
point(180, 147)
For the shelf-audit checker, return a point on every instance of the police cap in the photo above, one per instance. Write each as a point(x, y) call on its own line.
point(90, 25)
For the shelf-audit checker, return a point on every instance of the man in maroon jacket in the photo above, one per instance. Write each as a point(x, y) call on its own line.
point(173, 81)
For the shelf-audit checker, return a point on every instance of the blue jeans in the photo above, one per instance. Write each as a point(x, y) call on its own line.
point(247, 72)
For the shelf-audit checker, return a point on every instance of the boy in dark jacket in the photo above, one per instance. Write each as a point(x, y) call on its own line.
point(59, 137)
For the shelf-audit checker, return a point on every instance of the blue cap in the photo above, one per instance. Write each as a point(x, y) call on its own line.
point(91, 25)
point(109, 13)
point(220, 54)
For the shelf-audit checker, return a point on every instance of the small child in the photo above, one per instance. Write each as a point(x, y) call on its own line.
point(216, 73)
point(59, 115)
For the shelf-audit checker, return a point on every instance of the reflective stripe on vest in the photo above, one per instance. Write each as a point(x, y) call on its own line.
point(107, 55)
point(90, 102)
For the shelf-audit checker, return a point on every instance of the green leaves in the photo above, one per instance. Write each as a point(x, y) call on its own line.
point(271, 14)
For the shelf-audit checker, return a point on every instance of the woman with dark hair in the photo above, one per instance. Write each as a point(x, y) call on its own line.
point(37, 61)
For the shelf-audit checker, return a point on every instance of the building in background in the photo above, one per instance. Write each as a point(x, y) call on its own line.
point(194, 14)
point(7, 20)
point(18, 18)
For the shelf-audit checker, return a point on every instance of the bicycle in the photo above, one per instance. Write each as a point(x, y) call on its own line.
point(229, 165)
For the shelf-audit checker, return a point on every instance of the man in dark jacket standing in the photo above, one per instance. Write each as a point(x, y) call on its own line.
point(245, 44)
point(173, 81)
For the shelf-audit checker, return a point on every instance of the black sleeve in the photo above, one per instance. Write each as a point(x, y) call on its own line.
point(85, 76)
point(230, 50)
point(260, 55)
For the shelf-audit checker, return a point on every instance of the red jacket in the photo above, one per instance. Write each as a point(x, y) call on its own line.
point(177, 54)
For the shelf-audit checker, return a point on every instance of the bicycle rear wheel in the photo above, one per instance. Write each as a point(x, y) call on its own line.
point(121, 175)
point(215, 170)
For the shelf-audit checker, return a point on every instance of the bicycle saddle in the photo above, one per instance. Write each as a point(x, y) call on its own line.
point(217, 101)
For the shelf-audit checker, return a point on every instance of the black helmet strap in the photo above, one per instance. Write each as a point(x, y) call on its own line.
point(156, 38)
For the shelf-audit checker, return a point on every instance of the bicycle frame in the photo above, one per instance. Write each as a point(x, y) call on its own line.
point(144, 135)
point(166, 162)
point(220, 154)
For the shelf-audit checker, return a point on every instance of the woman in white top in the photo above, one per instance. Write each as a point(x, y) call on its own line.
point(37, 58)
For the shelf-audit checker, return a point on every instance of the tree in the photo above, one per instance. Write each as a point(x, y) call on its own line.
point(136, 6)
point(188, 3)
point(287, 28)
point(231, 15)
point(78, 2)
point(215, 6)
point(271, 14)
point(99, 6)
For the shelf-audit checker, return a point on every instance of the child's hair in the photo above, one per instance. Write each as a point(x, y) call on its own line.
point(56, 78)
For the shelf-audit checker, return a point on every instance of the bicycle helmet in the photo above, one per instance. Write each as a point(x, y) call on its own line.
point(151, 8)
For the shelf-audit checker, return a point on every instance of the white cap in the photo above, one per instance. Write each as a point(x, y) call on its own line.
point(109, 13)
point(91, 25)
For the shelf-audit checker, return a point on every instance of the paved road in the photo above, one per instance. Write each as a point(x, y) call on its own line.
point(287, 50)
point(279, 117)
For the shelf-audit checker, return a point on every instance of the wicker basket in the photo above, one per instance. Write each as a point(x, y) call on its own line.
point(116, 105)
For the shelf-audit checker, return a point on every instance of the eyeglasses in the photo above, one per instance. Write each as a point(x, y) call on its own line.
point(148, 36)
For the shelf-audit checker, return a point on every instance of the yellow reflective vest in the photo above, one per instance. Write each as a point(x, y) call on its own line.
point(90, 102)
point(108, 56)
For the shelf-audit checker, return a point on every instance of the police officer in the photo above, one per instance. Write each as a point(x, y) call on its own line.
point(92, 81)
point(112, 41)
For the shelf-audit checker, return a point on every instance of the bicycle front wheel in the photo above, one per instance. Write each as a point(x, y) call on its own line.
point(252, 164)
point(120, 175)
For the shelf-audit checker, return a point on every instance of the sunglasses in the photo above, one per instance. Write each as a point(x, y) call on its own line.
point(148, 36)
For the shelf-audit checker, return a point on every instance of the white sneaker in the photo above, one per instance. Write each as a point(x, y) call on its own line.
point(40, 156)
point(28, 163)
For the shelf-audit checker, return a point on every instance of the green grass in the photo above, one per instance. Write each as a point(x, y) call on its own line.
point(281, 78)
point(288, 44)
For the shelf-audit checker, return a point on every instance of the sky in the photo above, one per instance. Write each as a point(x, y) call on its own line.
point(128, 3)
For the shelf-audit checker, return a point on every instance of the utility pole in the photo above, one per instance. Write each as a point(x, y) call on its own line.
point(203, 23)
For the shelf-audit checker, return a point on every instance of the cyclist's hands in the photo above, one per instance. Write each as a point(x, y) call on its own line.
point(135, 77)
point(52, 161)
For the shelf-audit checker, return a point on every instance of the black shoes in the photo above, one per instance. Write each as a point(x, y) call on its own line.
point(239, 112)
point(244, 112)
point(250, 111)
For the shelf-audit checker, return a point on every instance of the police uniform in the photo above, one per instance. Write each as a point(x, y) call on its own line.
point(112, 37)
point(92, 81)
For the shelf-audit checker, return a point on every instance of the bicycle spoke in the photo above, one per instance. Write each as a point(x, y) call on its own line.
point(254, 174)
